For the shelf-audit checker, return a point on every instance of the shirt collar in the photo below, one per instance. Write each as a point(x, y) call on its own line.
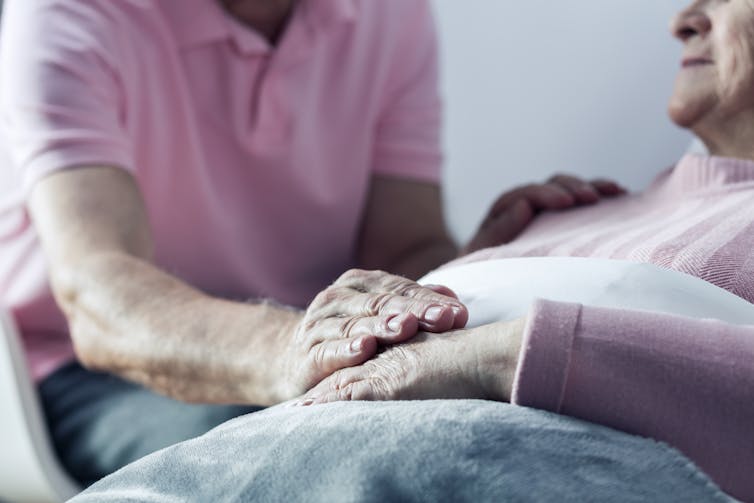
point(200, 22)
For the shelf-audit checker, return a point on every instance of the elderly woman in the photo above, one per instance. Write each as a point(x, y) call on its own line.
point(681, 380)
point(687, 382)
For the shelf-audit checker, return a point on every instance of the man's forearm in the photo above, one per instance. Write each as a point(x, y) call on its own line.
point(129, 318)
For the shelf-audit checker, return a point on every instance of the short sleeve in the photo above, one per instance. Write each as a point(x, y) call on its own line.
point(61, 102)
point(408, 131)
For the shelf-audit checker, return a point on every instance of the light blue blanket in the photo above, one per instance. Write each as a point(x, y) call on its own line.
point(463, 450)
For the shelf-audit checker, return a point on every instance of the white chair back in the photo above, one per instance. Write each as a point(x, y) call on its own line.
point(29, 470)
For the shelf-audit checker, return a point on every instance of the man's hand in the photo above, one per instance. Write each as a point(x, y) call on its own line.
point(475, 363)
point(514, 210)
point(362, 310)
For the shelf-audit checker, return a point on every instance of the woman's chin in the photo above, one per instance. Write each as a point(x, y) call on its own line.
point(684, 116)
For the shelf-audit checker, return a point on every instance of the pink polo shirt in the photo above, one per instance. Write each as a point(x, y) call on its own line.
point(254, 161)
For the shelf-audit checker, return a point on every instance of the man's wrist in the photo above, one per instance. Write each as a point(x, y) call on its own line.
point(281, 377)
point(247, 348)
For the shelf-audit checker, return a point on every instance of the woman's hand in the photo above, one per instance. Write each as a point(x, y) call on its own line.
point(514, 210)
point(475, 363)
point(347, 322)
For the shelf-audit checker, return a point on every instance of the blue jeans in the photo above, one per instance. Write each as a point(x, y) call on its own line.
point(100, 423)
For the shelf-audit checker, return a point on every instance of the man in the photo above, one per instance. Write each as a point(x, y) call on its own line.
point(173, 159)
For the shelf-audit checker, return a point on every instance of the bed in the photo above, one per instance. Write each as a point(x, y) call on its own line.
point(448, 450)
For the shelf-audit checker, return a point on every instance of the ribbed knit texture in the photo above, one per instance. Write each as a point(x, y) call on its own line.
point(697, 218)
point(687, 382)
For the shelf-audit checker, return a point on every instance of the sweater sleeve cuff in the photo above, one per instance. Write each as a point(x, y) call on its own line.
point(545, 356)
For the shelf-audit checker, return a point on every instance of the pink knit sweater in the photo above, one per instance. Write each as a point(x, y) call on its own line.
point(687, 382)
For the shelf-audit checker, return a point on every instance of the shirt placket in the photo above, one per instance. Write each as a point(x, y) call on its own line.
point(270, 122)
point(270, 112)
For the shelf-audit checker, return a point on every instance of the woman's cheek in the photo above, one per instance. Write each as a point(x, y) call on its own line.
point(737, 67)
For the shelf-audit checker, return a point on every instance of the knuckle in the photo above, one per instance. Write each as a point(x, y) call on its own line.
point(347, 325)
point(332, 383)
point(346, 392)
point(320, 299)
point(319, 356)
point(338, 381)
point(397, 284)
point(305, 330)
point(376, 303)
point(377, 277)
point(417, 307)
point(375, 274)
point(338, 293)
point(361, 280)
point(350, 276)
point(328, 296)
point(410, 289)
point(308, 326)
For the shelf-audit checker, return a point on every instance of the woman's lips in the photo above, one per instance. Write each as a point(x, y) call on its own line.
point(688, 62)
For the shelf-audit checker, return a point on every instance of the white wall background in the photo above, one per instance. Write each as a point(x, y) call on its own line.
point(540, 86)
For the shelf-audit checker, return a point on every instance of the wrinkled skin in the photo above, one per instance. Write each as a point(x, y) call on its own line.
point(362, 310)
point(474, 363)
point(714, 90)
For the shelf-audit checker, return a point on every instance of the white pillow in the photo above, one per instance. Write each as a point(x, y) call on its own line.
point(504, 289)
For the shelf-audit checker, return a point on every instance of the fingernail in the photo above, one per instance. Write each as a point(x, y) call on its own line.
point(434, 313)
point(395, 323)
point(307, 402)
point(356, 345)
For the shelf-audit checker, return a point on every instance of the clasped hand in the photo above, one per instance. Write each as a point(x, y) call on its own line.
point(363, 310)
point(374, 336)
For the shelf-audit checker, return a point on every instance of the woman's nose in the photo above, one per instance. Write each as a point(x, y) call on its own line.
point(690, 23)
